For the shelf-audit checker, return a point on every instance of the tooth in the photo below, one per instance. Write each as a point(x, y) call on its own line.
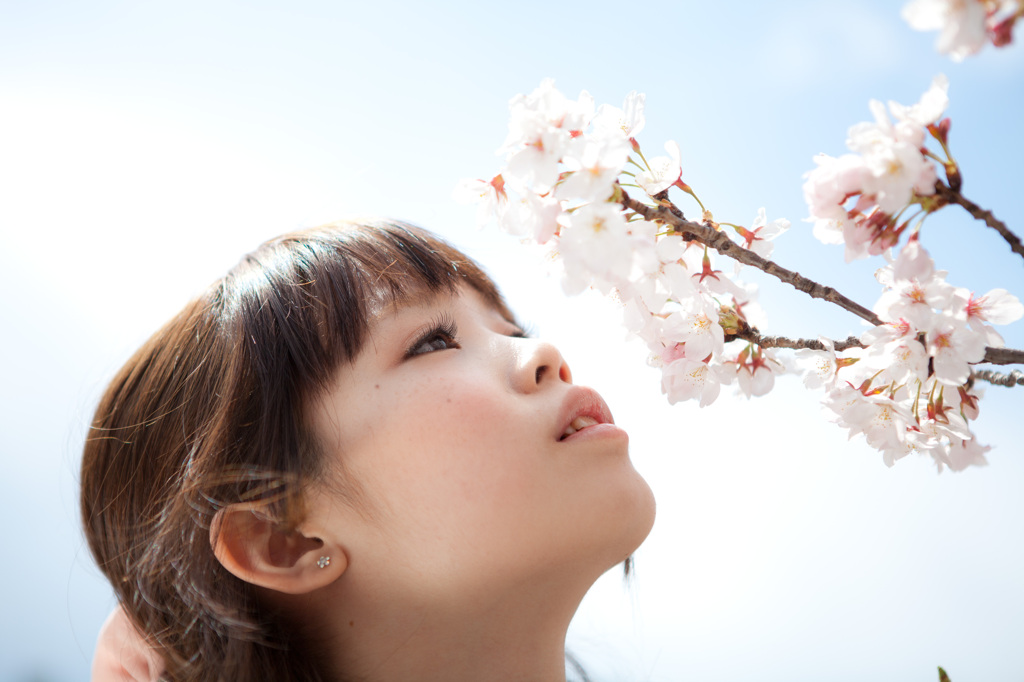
point(582, 422)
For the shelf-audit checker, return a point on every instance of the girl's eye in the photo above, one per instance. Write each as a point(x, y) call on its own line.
point(440, 335)
point(435, 342)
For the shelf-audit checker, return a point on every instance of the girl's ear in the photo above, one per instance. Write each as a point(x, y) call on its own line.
point(254, 547)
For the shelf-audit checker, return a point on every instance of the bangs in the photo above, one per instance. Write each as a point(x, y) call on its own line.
point(307, 299)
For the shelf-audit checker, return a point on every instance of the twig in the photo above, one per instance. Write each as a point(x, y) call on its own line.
point(751, 334)
point(754, 336)
point(1003, 356)
point(993, 356)
point(954, 197)
point(705, 234)
point(1012, 379)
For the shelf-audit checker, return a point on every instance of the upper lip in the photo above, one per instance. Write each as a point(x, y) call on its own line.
point(582, 402)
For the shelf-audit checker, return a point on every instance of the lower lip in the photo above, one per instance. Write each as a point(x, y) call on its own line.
point(597, 431)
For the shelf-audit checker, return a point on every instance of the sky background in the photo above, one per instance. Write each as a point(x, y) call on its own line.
point(145, 146)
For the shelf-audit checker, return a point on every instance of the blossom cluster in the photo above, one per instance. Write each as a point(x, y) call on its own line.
point(965, 26)
point(566, 164)
point(908, 388)
point(861, 199)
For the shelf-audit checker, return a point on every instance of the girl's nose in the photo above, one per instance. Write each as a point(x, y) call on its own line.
point(540, 363)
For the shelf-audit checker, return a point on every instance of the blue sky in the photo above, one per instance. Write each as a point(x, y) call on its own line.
point(145, 146)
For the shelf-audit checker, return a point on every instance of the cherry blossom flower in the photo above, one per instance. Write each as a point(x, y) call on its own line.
point(592, 174)
point(697, 326)
point(928, 109)
point(664, 171)
point(819, 367)
point(883, 421)
point(833, 182)
point(961, 22)
point(886, 172)
point(595, 245)
point(914, 289)
point(755, 371)
point(626, 122)
point(758, 237)
point(893, 159)
point(532, 215)
point(688, 379)
point(967, 453)
point(998, 306)
point(953, 348)
point(490, 196)
point(900, 361)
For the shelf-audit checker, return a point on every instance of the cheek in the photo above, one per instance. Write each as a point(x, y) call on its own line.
point(462, 458)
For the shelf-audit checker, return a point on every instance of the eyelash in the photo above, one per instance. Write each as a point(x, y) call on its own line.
point(443, 328)
point(524, 332)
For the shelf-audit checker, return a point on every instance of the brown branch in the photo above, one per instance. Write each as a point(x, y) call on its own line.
point(994, 356)
point(1003, 356)
point(709, 236)
point(752, 335)
point(1014, 378)
point(953, 196)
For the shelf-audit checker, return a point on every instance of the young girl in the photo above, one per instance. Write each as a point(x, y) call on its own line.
point(346, 461)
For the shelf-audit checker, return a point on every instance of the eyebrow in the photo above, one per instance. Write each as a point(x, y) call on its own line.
point(424, 297)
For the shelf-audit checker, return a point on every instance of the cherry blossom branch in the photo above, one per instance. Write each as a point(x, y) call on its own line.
point(752, 335)
point(1003, 356)
point(1014, 378)
point(707, 235)
point(994, 356)
point(954, 196)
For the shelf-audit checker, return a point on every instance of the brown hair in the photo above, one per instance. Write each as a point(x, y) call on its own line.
point(209, 412)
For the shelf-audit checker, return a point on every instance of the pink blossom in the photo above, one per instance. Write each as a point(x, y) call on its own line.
point(953, 348)
point(967, 453)
point(831, 183)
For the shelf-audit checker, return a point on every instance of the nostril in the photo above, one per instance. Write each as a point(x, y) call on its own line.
point(540, 373)
point(564, 374)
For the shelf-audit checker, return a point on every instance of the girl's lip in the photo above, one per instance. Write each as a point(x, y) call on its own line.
point(583, 402)
point(595, 431)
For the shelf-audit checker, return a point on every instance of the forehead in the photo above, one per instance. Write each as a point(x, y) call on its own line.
point(421, 298)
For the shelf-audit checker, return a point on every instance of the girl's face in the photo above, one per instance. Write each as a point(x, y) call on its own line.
point(451, 425)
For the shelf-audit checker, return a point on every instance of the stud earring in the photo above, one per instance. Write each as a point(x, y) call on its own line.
point(323, 562)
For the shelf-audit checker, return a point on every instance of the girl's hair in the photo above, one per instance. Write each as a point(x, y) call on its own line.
point(210, 412)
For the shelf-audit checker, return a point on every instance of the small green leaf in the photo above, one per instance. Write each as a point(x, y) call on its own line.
point(943, 677)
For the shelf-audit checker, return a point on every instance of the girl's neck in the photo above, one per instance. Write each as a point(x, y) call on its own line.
point(515, 637)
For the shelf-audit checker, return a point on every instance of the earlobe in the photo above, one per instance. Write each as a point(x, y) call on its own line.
point(255, 548)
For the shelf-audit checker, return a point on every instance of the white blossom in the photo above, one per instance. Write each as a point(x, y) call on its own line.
point(663, 173)
point(961, 22)
point(626, 122)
